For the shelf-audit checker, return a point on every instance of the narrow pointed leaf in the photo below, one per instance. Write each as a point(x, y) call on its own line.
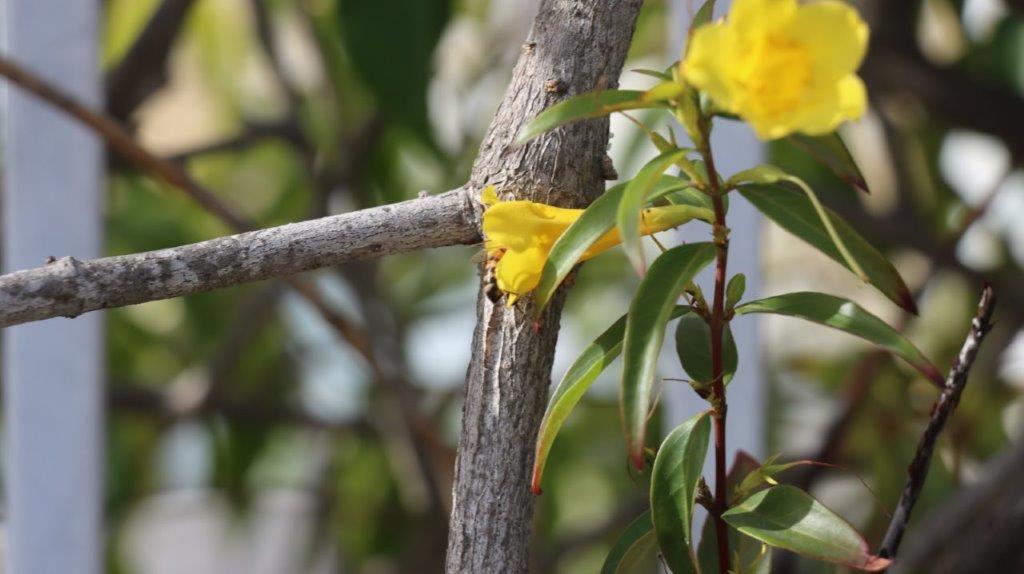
point(597, 219)
point(584, 106)
point(674, 479)
point(830, 151)
point(794, 212)
point(581, 374)
point(648, 314)
point(787, 517)
point(845, 315)
point(653, 73)
point(636, 543)
point(633, 199)
point(769, 174)
point(703, 15)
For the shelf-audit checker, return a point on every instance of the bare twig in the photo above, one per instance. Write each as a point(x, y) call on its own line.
point(943, 408)
point(144, 68)
point(251, 134)
point(121, 142)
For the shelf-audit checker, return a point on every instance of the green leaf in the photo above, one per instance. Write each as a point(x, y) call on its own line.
point(831, 151)
point(847, 316)
point(633, 199)
point(747, 554)
point(653, 73)
point(769, 174)
point(735, 289)
point(397, 73)
point(674, 479)
point(597, 219)
point(581, 374)
point(765, 475)
point(794, 212)
point(635, 543)
point(588, 105)
point(693, 345)
point(703, 15)
point(787, 517)
point(663, 92)
point(649, 312)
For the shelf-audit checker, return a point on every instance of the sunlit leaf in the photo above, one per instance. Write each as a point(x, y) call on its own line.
point(794, 212)
point(664, 92)
point(674, 479)
point(636, 543)
point(649, 312)
point(847, 316)
point(597, 219)
point(588, 105)
point(581, 374)
point(787, 517)
point(633, 199)
point(830, 151)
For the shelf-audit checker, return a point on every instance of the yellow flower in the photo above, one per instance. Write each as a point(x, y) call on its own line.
point(781, 66)
point(520, 234)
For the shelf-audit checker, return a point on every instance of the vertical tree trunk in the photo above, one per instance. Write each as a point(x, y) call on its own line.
point(574, 46)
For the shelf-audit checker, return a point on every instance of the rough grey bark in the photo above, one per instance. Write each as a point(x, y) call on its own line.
point(574, 46)
point(69, 287)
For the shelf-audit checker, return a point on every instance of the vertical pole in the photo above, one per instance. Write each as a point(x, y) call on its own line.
point(52, 369)
point(738, 149)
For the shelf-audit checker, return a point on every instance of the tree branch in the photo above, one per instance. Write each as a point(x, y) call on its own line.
point(69, 287)
point(944, 406)
point(579, 45)
point(144, 68)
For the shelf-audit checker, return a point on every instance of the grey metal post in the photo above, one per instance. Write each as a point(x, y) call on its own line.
point(52, 369)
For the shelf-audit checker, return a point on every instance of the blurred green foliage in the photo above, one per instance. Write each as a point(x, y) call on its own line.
point(279, 403)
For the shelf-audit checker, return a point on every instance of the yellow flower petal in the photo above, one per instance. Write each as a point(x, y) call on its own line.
point(519, 271)
point(834, 33)
point(708, 62)
point(853, 96)
point(752, 17)
point(520, 224)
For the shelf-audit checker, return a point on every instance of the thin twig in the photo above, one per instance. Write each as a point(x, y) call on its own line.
point(717, 327)
point(941, 411)
point(121, 142)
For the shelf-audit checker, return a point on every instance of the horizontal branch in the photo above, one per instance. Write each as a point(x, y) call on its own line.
point(68, 287)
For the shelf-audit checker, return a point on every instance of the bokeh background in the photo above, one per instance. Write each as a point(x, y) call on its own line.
point(244, 436)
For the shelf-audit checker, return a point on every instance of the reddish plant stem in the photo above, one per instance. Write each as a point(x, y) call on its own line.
point(718, 320)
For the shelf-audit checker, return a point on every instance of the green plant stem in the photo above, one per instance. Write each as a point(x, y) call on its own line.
point(717, 326)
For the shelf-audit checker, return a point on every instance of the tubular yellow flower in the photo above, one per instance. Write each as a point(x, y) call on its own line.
point(520, 234)
point(781, 66)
